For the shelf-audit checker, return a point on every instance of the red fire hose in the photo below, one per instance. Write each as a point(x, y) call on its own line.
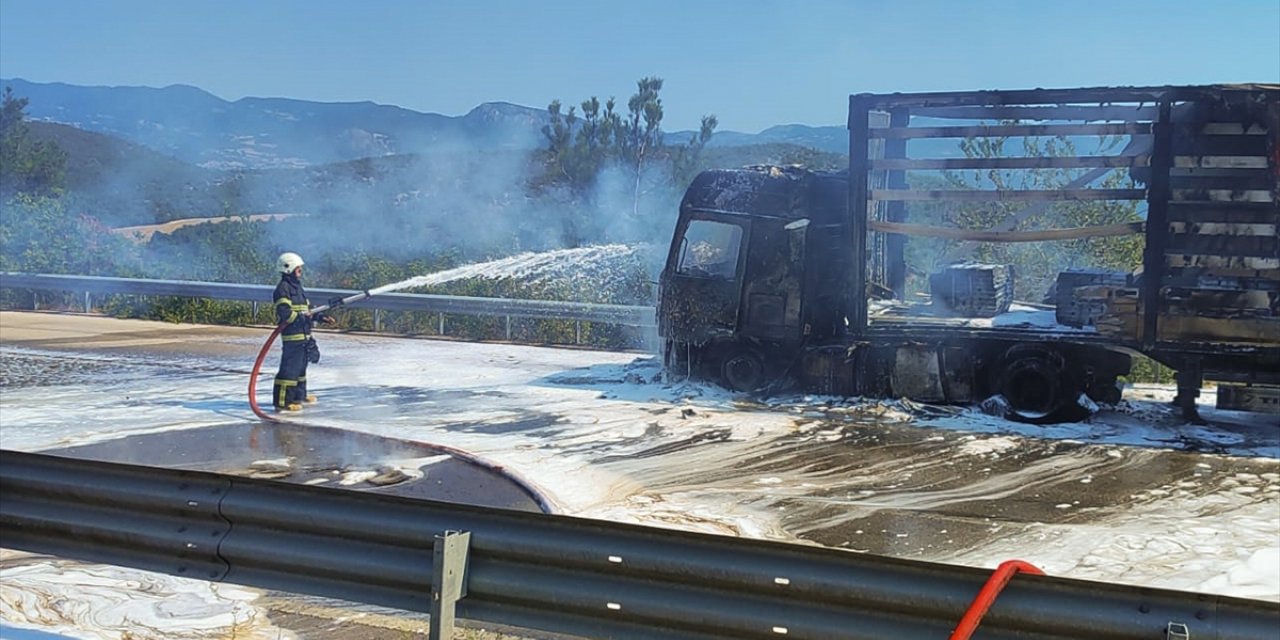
point(987, 596)
point(253, 377)
point(528, 488)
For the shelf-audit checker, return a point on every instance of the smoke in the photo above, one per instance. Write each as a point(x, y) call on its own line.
point(468, 202)
point(646, 214)
point(429, 192)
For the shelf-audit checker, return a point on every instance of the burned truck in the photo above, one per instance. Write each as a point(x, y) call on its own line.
point(1015, 247)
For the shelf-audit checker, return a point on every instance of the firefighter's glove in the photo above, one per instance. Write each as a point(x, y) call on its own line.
point(313, 351)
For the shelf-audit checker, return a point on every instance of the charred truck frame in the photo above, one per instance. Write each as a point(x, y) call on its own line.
point(784, 273)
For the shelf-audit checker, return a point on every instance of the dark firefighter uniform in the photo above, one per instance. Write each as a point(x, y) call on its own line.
point(291, 308)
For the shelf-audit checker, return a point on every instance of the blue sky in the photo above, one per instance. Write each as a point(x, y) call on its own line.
point(752, 63)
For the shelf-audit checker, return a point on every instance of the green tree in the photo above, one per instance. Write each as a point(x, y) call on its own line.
point(641, 137)
point(27, 165)
point(580, 148)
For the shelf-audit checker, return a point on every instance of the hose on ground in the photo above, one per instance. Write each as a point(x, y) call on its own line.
point(528, 488)
point(253, 377)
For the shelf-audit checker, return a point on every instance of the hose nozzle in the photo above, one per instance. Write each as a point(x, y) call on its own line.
point(339, 301)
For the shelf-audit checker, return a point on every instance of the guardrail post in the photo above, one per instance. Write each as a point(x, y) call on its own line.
point(441, 332)
point(577, 332)
point(377, 320)
point(88, 306)
point(508, 328)
point(255, 310)
point(448, 581)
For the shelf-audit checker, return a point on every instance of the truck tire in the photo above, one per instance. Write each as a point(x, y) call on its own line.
point(1033, 379)
point(743, 369)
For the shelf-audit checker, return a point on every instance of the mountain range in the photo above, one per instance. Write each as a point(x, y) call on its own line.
point(199, 128)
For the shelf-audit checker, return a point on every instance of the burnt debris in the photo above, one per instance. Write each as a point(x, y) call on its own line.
point(973, 290)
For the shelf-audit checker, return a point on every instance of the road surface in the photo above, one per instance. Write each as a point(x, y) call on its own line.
point(1131, 496)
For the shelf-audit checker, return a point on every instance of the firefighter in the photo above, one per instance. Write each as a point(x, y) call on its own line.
point(297, 346)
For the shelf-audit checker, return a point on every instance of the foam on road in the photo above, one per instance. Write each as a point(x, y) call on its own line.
point(1130, 496)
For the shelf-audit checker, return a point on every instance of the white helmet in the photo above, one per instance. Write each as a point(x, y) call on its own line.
point(289, 261)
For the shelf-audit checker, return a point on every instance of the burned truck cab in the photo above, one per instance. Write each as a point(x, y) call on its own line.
point(751, 272)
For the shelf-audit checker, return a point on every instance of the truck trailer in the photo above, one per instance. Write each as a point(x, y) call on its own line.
point(1017, 248)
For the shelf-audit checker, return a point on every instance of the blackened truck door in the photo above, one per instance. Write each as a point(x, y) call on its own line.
point(702, 286)
point(773, 281)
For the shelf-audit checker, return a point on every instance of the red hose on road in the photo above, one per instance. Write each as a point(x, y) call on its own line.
point(544, 503)
point(987, 596)
point(253, 377)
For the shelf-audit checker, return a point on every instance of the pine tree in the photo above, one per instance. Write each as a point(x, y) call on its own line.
point(26, 165)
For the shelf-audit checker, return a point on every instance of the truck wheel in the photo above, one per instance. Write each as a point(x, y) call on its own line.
point(743, 370)
point(1031, 378)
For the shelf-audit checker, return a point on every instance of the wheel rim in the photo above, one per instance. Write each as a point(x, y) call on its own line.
point(1032, 380)
point(743, 371)
point(1032, 388)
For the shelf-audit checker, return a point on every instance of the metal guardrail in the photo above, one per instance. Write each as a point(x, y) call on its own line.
point(566, 575)
point(633, 316)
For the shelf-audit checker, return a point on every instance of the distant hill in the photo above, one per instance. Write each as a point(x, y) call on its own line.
point(201, 129)
point(96, 157)
point(254, 133)
point(775, 153)
point(833, 139)
point(120, 182)
point(126, 184)
point(140, 156)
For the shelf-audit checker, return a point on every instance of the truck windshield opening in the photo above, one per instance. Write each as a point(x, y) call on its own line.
point(710, 250)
